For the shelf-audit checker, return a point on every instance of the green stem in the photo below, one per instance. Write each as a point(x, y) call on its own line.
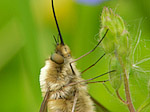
point(127, 92)
point(118, 95)
point(127, 89)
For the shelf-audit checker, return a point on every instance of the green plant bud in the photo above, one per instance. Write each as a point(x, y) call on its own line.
point(108, 44)
point(123, 46)
point(119, 25)
point(105, 13)
point(115, 77)
point(116, 39)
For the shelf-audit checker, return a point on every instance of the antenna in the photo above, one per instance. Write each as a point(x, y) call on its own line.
point(61, 39)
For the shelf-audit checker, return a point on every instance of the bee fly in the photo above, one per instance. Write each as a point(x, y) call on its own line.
point(61, 84)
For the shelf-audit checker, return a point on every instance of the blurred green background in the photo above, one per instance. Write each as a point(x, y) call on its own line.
point(26, 40)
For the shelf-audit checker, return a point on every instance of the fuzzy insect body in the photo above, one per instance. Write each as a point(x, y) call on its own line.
point(61, 84)
point(55, 76)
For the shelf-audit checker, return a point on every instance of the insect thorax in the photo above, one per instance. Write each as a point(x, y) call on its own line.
point(55, 76)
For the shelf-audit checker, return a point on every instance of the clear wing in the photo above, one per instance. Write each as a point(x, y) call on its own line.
point(44, 103)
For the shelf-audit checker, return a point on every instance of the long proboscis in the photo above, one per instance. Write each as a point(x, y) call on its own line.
point(61, 39)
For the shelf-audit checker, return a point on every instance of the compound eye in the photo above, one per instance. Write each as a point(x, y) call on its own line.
point(57, 58)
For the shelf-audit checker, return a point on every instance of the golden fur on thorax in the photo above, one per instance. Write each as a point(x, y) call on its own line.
point(55, 76)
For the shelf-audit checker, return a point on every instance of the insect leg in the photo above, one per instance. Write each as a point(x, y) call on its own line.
point(97, 81)
point(93, 64)
point(74, 102)
point(88, 52)
point(71, 68)
point(74, 83)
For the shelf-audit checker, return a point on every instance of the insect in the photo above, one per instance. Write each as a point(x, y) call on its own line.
point(61, 84)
